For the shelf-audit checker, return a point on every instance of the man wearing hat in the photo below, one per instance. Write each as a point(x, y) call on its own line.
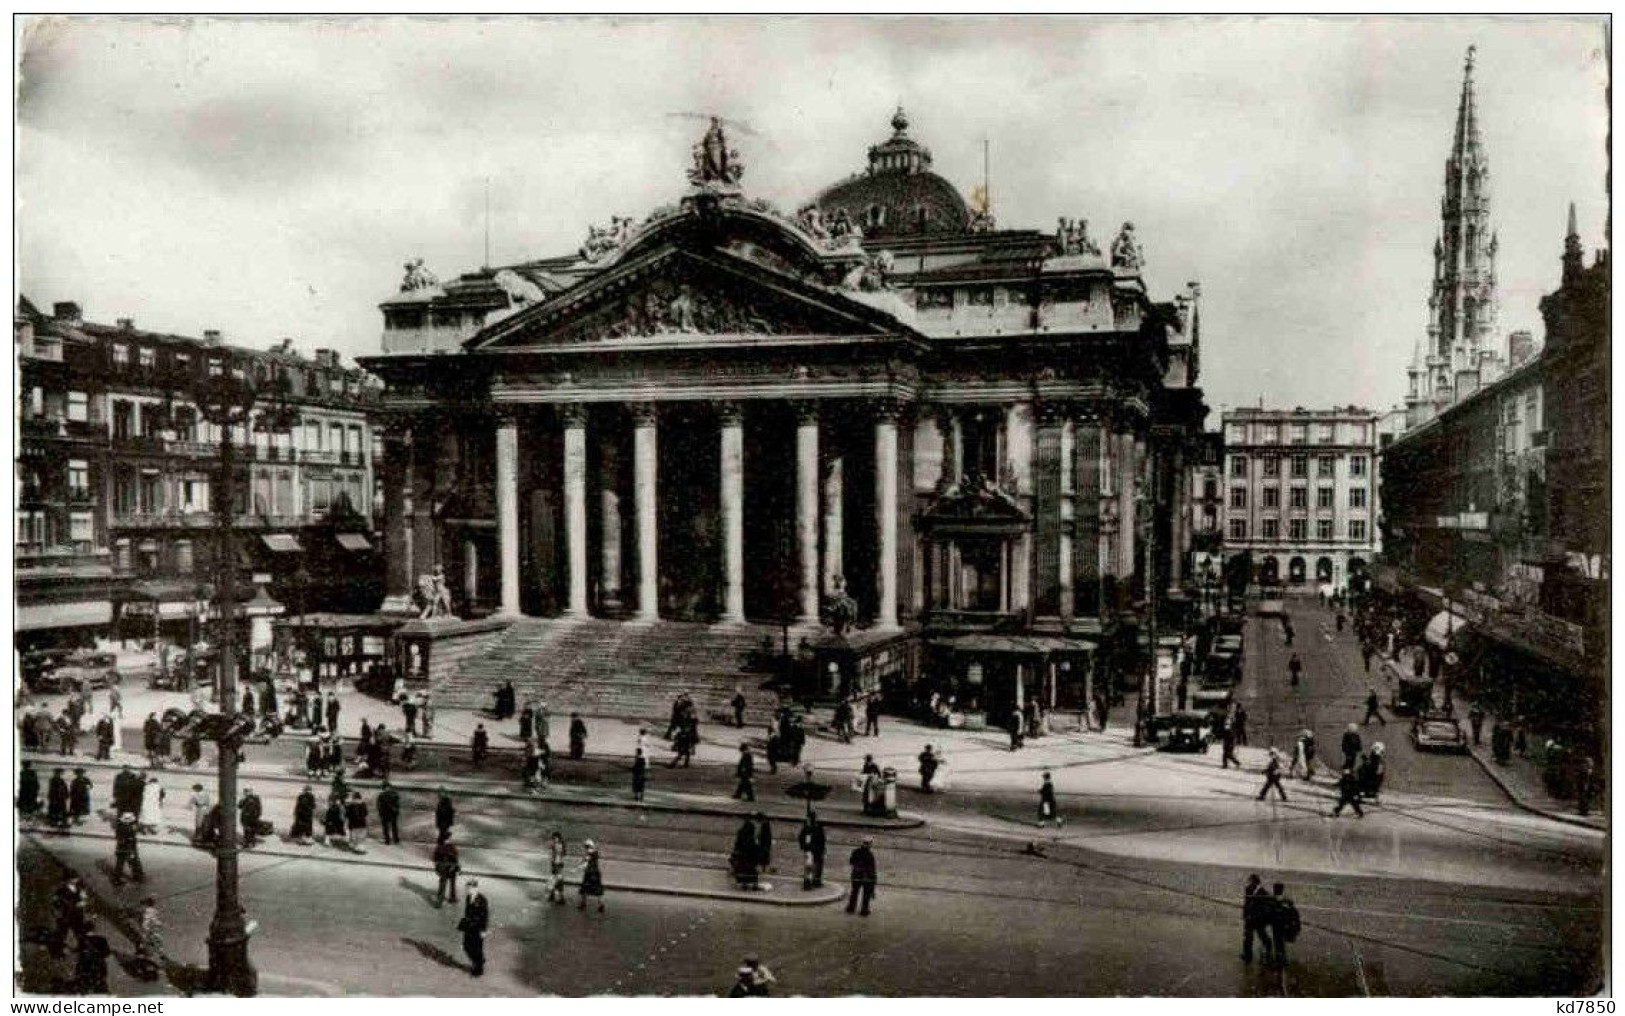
point(126, 850)
point(745, 770)
point(79, 797)
point(56, 800)
point(476, 919)
point(592, 877)
point(865, 875)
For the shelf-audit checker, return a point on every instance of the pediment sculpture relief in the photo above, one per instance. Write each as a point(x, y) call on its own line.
point(678, 306)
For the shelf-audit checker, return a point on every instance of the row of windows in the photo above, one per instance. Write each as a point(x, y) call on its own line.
point(300, 380)
point(1325, 497)
point(1297, 433)
point(1325, 466)
point(43, 529)
point(1298, 530)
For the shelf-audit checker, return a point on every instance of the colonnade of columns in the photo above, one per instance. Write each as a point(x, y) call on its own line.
point(811, 498)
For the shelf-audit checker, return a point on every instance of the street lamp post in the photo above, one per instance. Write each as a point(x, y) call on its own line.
point(228, 402)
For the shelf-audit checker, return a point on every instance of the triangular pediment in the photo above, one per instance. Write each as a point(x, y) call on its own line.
point(674, 294)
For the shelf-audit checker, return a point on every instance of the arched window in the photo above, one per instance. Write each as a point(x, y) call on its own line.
point(875, 217)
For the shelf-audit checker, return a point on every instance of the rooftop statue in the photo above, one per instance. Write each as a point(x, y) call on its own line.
point(417, 277)
point(1073, 236)
point(1126, 251)
point(715, 164)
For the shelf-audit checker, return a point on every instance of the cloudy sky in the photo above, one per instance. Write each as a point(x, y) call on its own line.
point(268, 178)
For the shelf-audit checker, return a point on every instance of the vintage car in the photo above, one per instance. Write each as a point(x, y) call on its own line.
point(79, 671)
point(1411, 696)
point(1211, 699)
point(1437, 732)
point(1187, 731)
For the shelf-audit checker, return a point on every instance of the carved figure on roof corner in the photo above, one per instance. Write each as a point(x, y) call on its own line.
point(603, 241)
point(417, 277)
point(1073, 236)
point(1126, 251)
point(870, 276)
point(811, 221)
point(716, 165)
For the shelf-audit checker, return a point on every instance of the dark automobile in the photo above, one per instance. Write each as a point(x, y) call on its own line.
point(1412, 696)
point(1438, 733)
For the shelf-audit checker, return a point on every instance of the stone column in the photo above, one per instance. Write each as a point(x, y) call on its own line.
point(807, 508)
point(609, 542)
point(398, 513)
point(574, 418)
point(471, 571)
point(833, 490)
point(732, 436)
point(508, 514)
point(1068, 518)
point(948, 427)
point(886, 514)
point(1127, 470)
point(644, 492)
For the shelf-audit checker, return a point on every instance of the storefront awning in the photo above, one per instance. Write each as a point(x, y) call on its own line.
point(281, 542)
point(353, 541)
point(41, 616)
point(1445, 627)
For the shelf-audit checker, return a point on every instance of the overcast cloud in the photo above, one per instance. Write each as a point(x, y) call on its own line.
point(268, 178)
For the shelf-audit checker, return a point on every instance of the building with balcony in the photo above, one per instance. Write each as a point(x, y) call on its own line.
point(1300, 493)
point(116, 466)
point(724, 413)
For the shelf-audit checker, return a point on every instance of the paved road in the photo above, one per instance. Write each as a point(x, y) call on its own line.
point(958, 913)
point(1332, 695)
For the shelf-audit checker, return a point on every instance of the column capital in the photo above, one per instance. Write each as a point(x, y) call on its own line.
point(505, 415)
point(644, 414)
point(806, 411)
point(572, 414)
point(886, 410)
point(1051, 412)
point(729, 413)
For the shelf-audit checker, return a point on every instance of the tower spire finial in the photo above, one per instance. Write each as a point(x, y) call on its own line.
point(1574, 222)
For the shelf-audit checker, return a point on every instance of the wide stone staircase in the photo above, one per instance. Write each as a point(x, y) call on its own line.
point(614, 668)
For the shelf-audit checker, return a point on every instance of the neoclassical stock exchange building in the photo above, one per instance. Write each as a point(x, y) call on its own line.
point(632, 463)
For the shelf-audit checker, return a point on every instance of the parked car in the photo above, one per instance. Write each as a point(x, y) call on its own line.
point(1411, 696)
point(1438, 733)
point(78, 672)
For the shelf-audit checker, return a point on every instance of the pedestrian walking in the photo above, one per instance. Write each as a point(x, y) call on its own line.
point(527, 722)
point(389, 813)
point(104, 738)
point(1371, 710)
point(843, 720)
point(928, 769)
point(813, 846)
point(315, 758)
point(1475, 720)
point(150, 729)
point(738, 703)
point(447, 865)
point(1047, 810)
point(475, 921)
point(640, 774)
point(578, 736)
point(79, 797)
point(1294, 667)
point(56, 801)
point(1348, 793)
point(1239, 722)
point(1309, 749)
point(90, 967)
point(742, 859)
point(871, 716)
point(334, 832)
point(355, 821)
point(445, 814)
point(126, 850)
point(1284, 922)
point(409, 713)
point(556, 851)
point(1013, 725)
point(764, 842)
point(71, 906)
point(1365, 656)
point(592, 877)
point(303, 828)
point(1255, 906)
point(745, 773)
point(333, 714)
point(252, 811)
point(865, 877)
point(1351, 745)
point(1373, 770)
point(1286, 629)
point(683, 744)
point(479, 745)
point(150, 819)
point(1227, 743)
point(1272, 775)
point(28, 792)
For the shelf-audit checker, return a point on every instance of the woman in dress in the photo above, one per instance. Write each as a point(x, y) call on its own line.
point(555, 865)
point(152, 806)
point(592, 878)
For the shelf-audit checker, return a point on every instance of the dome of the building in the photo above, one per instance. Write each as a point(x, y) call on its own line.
point(898, 195)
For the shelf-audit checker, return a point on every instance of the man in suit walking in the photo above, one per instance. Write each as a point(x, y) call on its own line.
point(476, 919)
point(446, 866)
point(389, 812)
point(865, 876)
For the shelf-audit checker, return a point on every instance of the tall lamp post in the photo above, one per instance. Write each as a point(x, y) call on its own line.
point(228, 401)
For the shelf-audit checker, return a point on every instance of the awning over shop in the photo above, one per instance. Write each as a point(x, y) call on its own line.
point(353, 541)
point(1013, 645)
point(281, 542)
point(40, 616)
point(1444, 627)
